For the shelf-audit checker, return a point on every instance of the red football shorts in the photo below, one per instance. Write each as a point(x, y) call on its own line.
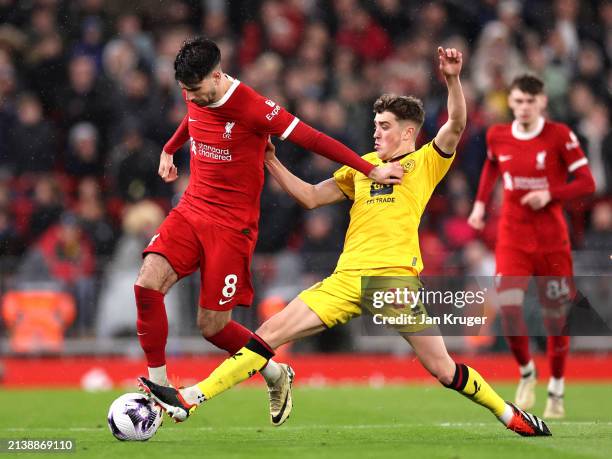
point(222, 254)
point(553, 270)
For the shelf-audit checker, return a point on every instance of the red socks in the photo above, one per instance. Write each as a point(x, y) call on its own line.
point(557, 350)
point(516, 332)
point(231, 338)
point(151, 325)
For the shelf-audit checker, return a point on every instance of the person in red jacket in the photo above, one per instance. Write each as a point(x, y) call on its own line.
point(534, 156)
point(214, 226)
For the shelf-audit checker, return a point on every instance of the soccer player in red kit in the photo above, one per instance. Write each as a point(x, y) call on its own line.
point(214, 226)
point(534, 157)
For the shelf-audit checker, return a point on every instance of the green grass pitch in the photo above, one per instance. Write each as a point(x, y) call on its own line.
point(416, 421)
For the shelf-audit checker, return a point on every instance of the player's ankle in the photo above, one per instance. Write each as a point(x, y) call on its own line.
point(192, 395)
point(556, 386)
point(271, 372)
point(158, 375)
point(506, 417)
point(528, 370)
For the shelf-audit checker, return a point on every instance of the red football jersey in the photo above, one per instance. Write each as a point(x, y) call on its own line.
point(537, 160)
point(228, 140)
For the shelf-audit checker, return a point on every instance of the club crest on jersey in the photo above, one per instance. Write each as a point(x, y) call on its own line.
point(541, 160)
point(228, 129)
point(408, 166)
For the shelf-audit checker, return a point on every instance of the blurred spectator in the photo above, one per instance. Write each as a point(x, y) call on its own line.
point(118, 59)
point(82, 157)
point(129, 28)
point(594, 127)
point(496, 60)
point(10, 243)
point(478, 260)
point(360, 32)
point(132, 165)
point(46, 66)
point(138, 100)
point(279, 218)
point(91, 41)
point(599, 237)
point(47, 206)
point(32, 139)
point(93, 219)
point(85, 98)
point(64, 254)
point(322, 243)
point(116, 313)
point(457, 232)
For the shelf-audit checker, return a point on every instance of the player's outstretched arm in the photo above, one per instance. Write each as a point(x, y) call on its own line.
point(310, 139)
point(307, 195)
point(449, 134)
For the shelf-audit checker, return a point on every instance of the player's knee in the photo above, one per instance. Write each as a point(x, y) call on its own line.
point(210, 325)
point(156, 274)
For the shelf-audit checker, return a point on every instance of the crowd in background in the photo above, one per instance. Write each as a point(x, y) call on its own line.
point(88, 98)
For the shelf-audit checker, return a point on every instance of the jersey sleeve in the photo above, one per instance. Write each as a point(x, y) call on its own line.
point(437, 163)
point(267, 117)
point(345, 179)
point(178, 139)
point(571, 152)
point(490, 145)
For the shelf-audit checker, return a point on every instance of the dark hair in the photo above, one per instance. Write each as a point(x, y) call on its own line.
point(405, 108)
point(195, 60)
point(530, 84)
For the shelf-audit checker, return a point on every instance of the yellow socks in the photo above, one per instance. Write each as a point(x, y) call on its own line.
point(469, 382)
point(236, 368)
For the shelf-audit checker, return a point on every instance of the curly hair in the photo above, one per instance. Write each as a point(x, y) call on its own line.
point(195, 60)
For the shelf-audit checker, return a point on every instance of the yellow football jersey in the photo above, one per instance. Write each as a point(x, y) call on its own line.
point(385, 219)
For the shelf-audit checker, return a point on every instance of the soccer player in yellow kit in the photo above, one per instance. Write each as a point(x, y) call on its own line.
point(381, 241)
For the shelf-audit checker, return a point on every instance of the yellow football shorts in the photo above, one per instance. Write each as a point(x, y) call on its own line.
point(339, 298)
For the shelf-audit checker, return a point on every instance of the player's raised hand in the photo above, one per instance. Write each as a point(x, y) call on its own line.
point(450, 61)
point(167, 170)
point(476, 218)
point(390, 174)
point(536, 199)
point(270, 152)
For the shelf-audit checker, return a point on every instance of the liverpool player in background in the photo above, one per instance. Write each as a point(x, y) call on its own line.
point(534, 157)
point(214, 226)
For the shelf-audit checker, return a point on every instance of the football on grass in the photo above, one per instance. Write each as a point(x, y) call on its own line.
point(133, 417)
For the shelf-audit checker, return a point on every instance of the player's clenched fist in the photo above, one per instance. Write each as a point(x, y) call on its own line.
point(450, 61)
point(167, 170)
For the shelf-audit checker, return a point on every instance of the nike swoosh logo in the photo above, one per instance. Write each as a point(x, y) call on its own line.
point(192, 119)
point(224, 301)
point(504, 158)
point(276, 419)
point(140, 334)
